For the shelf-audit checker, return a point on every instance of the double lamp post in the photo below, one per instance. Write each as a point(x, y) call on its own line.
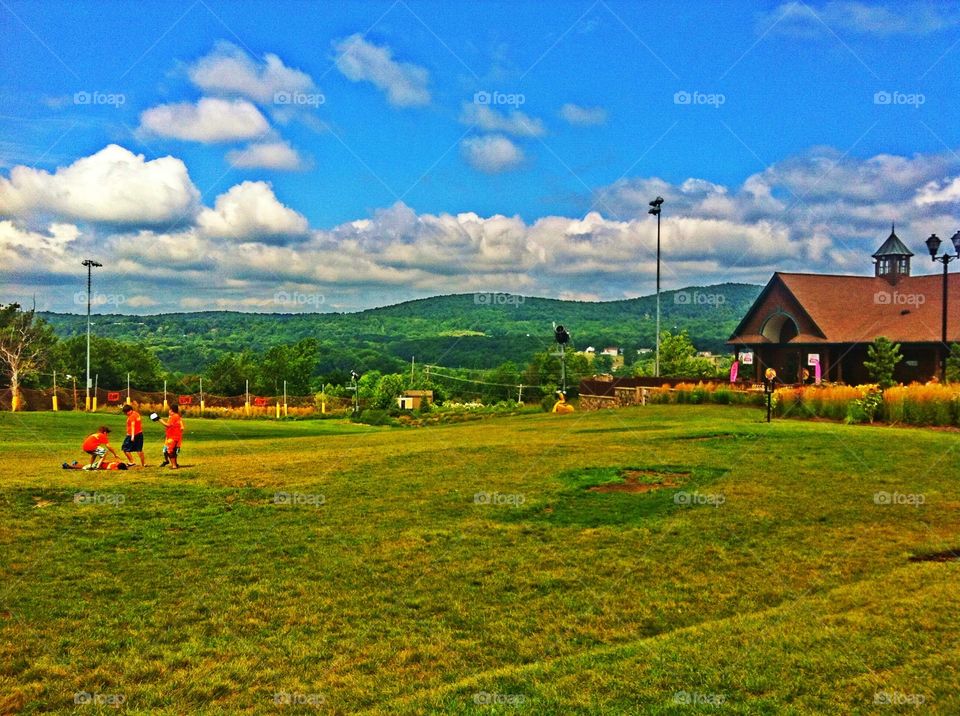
point(933, 246)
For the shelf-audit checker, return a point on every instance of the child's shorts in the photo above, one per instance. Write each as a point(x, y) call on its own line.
point(134, 444)
point(171, 447)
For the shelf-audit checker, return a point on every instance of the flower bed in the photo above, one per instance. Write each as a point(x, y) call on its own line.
point(914, 404)
point(697, 393)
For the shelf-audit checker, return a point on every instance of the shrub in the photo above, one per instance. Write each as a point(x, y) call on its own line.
point(865, 409)
point(372, 416)
point(882, 359)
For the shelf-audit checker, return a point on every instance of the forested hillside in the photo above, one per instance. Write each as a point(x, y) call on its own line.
point(466, 330)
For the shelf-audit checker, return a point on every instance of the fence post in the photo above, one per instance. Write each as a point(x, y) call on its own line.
point(278, 410)
point(165, 404)
point(55, 406)
point(246, 404)
point(285, 399)
point(203, 405)
point(96, 387)
point(128, 390)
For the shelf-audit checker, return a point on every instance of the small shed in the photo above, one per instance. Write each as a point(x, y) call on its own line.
point(413, 399)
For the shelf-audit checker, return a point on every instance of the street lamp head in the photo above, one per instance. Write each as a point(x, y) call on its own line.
point(91, 263)
point(657, 202)
point(956, 242)
point(933, 245)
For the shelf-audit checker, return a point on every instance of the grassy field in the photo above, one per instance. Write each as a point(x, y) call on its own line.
point(498, 566)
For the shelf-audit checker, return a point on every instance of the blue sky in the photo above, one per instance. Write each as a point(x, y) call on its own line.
point(373, 152)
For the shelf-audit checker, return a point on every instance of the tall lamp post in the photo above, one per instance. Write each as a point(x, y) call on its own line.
point(90, 264)
point(933, 246)
point(655, 210)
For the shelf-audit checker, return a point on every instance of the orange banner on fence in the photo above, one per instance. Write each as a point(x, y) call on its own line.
point(260, 402)
point(185, 400)
point(113, 397)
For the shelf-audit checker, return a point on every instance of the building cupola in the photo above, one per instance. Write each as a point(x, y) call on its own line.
point(892, 260)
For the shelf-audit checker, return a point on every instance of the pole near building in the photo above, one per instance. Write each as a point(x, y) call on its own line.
point(933, 246)
point(90, 264)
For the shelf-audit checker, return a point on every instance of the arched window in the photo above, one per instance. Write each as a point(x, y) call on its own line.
point(780, 328)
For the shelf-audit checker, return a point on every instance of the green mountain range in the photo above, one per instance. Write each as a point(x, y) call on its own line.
point(464, 330)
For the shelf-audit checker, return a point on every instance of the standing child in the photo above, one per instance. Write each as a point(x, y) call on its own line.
point(98, 442)
point(133, 442)
point(171, 446)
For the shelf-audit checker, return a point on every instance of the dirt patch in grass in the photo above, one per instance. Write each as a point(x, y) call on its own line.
point(948, 555)
point(643, 481)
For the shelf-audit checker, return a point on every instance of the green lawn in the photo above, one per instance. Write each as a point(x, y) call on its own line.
point(348, 569)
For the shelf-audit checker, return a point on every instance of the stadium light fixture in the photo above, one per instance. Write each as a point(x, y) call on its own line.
point(90, 264)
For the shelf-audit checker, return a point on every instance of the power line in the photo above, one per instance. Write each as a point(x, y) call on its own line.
point(430, 371)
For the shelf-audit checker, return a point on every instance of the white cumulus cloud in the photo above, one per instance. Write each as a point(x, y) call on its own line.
point(230, 70)
point(211, 119)
point(582, 116)
point(404, 83)
point(491, 154)
point(251, 212)
point(114, 185)
point(267, 155)
point(906, 18)
point(490, 120)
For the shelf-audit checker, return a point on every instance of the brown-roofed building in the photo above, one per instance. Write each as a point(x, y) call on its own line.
point(835, 318)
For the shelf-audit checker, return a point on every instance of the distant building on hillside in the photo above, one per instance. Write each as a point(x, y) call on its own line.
point(799, 319)
point(413, 399)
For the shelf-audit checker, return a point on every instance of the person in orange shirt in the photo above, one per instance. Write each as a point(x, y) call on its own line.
point(97, 444)
point(133, 441)
point(171, 446)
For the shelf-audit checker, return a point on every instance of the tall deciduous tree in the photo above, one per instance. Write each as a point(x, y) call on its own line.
point(25, 345)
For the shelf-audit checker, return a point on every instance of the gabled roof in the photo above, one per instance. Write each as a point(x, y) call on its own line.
point(776, 279)
point(893, 246)
point(858, 309)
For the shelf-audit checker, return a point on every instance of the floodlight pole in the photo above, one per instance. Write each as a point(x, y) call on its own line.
point(89, 263)
point(655, 210)
point(563, 369)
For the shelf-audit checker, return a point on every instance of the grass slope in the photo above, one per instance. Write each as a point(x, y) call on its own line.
point(384, 584)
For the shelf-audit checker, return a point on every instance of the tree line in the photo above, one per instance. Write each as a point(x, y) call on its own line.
point(30, 352)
